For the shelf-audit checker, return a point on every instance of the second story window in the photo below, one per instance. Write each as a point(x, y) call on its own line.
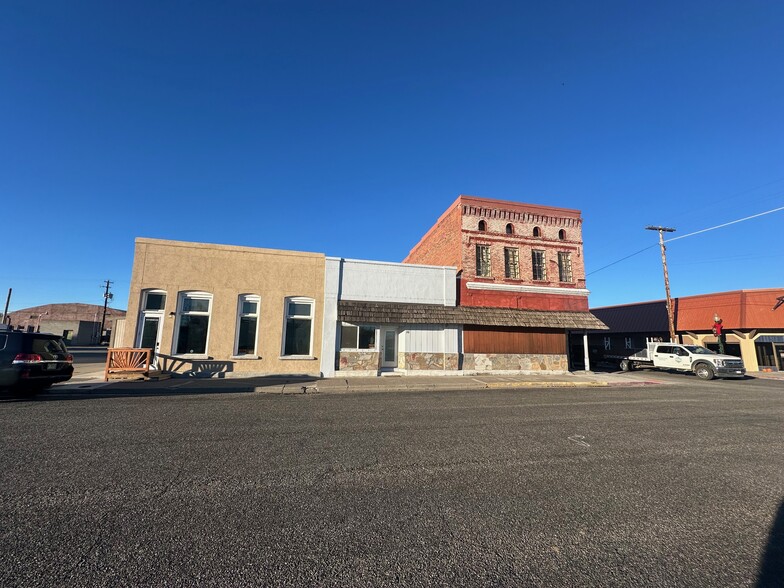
point(564, 266)
point(537, 265)
point(511, 263)
point(537, 232)
point(509, 229)
point(482, 225)
point(483, 261)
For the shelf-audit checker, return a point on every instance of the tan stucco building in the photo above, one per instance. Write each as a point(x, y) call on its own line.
point(184, 295)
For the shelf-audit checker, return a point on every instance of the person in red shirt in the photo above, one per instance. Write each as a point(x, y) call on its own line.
point(718, 329)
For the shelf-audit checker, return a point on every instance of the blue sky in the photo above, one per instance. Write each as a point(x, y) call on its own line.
point(348, 127)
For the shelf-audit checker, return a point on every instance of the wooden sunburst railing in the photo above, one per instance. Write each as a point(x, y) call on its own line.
point(124, 360)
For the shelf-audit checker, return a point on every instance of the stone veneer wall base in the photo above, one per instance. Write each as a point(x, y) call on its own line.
point(515, 363)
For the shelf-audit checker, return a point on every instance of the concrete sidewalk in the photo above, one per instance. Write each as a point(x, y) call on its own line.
point(91, 380)
point(472, 382)
point(304, 385)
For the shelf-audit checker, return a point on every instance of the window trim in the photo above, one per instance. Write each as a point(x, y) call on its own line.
point(298, 300)
point(196, 295)
point(240, 315)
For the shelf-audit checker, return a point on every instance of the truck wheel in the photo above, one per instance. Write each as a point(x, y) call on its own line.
point(626, 365)
point(704, 371)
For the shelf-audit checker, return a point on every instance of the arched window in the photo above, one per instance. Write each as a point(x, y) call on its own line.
point(509, 229)
point(537, 232)
point(482, 225)
point(153, 300)
point(562, 234)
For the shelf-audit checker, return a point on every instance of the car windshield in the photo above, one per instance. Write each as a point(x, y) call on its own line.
point(698, 350)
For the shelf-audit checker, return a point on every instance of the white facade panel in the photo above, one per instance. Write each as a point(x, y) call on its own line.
point(378, 281)
point(329, 332)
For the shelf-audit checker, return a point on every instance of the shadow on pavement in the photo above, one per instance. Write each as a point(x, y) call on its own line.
point(174, 387)
point(771, 571)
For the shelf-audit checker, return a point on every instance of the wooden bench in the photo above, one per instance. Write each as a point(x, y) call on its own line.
point(127, 361)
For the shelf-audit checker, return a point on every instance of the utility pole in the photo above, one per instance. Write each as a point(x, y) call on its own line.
point(107, 296)
point(8, 301)
point(670, 312)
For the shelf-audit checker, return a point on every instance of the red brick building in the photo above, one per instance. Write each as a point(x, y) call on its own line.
point(509, 254)
point(518, 256)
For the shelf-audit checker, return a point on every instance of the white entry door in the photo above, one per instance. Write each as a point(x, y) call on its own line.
point(150, 328)
point(388, 347)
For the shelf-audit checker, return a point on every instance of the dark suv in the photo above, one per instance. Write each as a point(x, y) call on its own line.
point(30, 362)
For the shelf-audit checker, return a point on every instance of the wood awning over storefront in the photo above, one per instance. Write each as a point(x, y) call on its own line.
point(386, 313)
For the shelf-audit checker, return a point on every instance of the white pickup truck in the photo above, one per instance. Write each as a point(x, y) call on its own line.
point(705, 363)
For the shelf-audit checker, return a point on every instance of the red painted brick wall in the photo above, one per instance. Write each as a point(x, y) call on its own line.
point(522, 300)
point(441, 244)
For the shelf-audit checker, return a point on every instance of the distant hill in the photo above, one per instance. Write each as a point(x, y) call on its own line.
point(68, 311)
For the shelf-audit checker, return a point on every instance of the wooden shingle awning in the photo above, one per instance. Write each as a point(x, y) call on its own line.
point(392, 313)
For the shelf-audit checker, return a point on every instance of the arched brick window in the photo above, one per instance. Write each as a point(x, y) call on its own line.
point(562, 234)
point(537, 232)
point(482, 225)
point(509, 229)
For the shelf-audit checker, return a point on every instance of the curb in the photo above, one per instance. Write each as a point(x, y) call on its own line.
point(343, 389)
point(547, 384)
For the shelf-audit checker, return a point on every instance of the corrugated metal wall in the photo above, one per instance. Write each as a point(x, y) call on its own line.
point(431, 339)
point(513, 340)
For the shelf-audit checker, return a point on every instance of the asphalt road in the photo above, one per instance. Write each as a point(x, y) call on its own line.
point(675, 485)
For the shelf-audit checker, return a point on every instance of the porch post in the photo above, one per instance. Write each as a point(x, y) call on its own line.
point(585, 351)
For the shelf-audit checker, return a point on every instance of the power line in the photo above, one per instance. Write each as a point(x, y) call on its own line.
point(622, 259)
point(735, 195)
point(740, 220)
point(684, 236)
